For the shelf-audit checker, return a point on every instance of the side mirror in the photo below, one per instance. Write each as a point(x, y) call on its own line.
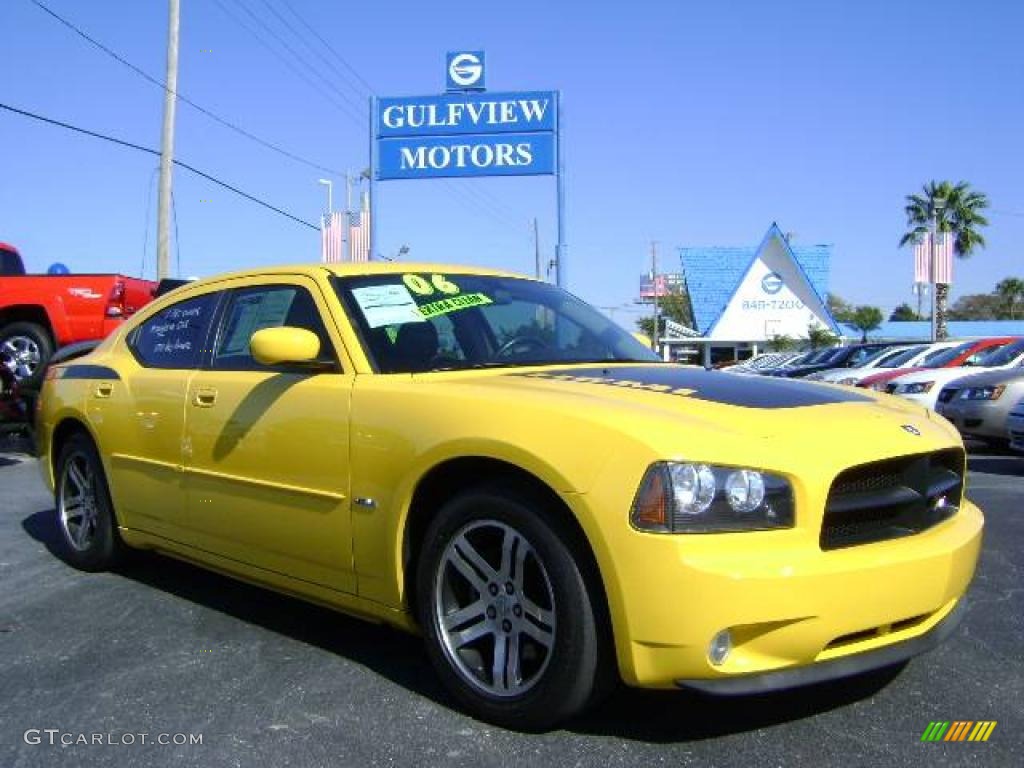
point(273, 346)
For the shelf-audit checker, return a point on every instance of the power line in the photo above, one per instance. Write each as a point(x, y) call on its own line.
point(351, 105)
point(163, 86)
point(369, 88)
point(150, 151)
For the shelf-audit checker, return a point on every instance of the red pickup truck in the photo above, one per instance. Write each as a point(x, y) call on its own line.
point(39, 313)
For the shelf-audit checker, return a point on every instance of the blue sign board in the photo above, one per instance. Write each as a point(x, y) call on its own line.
point(465, 70)
point(505, 154)
point(464, 113)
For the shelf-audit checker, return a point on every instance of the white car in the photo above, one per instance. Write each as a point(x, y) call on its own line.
point(1015, 426)
point(924, 386)
point(894, 357)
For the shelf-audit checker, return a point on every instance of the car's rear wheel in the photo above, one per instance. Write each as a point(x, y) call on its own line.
point(85, 515)
point(505, 607)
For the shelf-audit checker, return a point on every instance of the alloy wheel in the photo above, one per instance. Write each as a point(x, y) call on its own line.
point(495, 609)
point(77, 502)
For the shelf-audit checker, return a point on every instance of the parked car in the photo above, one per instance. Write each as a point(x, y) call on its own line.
point(980, 404)
point(924, 386)
point(840, 357)
point(803, 358)
point(1015, 426)
point(40, 313)
point(965, 354)
point(880, 356)
point(487, 460)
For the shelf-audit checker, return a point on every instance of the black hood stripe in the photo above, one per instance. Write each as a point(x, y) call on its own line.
point(713, 386)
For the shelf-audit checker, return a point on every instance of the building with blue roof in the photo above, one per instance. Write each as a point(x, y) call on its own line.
point(743, 297)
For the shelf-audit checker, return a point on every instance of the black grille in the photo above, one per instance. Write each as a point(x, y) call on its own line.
point(890, 388)
point(892, 498)
point(947, 394)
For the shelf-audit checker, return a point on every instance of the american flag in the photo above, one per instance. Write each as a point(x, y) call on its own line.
point(332, 238)
point(943, 259)
point(359, 233)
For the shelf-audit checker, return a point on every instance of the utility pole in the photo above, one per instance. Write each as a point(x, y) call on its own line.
point(536, 249)
point(654, 285)
point(163, 217)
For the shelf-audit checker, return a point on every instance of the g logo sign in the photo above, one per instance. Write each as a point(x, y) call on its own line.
point(771, 283)
point(466, 70)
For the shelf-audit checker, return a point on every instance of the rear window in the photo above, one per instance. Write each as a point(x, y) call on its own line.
point(176, 336)
point(10, 263)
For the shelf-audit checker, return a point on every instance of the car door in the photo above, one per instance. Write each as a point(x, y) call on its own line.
point(141, 413)
point(267, 448)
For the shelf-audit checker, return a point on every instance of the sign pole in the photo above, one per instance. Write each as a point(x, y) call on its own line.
point(371, 197)
point(560, 193)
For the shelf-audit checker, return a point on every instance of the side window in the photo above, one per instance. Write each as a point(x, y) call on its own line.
point(174, 337)
point(267, 306)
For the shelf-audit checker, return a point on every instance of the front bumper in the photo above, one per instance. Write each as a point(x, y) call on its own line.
point(823, 671)
point(790, 607)
point(977, 419)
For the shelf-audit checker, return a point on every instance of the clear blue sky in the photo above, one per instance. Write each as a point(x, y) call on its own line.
point(689, 123)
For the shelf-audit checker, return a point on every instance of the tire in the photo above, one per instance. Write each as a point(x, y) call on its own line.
point(85, 516)
point(29, 348)
point(517, 642)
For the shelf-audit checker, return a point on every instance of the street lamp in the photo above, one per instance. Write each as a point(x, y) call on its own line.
point(330, 194)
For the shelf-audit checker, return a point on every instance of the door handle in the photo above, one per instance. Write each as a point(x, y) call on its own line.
point(204, 397)
point(103, 390)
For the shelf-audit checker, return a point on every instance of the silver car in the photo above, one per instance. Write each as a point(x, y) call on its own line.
point(980, 404)
point(1015, 426)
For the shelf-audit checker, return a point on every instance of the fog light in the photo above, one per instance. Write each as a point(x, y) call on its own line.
point(721, 646)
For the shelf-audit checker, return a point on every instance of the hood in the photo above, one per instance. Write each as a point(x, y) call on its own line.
point(995, 376)
point(651, 399)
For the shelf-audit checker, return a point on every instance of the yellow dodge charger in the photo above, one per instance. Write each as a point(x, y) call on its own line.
point(486, 460)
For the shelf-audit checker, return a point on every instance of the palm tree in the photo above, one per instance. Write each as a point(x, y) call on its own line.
point(1010, 290)
point(957, 209)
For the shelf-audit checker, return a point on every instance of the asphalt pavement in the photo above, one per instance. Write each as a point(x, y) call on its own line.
point(98, 669)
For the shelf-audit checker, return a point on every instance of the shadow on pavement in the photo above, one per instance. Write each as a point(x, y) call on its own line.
point(653, 716)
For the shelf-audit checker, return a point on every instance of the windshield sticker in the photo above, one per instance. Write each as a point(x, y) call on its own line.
point(419, 284)
point(453, 304)
point(387, 305)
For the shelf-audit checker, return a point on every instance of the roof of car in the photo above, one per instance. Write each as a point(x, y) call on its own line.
point(349, 269)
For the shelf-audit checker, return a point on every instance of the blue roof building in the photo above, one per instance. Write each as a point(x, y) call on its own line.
point(752, 294)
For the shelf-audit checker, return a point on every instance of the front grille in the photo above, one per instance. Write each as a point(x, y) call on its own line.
point(892, 498)
point(891, 388)
point(947, 394)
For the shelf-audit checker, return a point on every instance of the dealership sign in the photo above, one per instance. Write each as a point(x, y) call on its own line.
point(467, 132)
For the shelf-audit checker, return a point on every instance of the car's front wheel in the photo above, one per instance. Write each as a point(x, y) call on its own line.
point(85, 515)
point(509, 619)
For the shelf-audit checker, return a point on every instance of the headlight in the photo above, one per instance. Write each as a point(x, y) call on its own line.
point(915, 388)
point(677, 497)
point(983, 393)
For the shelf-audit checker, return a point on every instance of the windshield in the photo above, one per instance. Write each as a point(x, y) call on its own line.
point(420, 322)
point(878, 355)
point(901, 357)
point(1002, 355)
point(943, 357)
